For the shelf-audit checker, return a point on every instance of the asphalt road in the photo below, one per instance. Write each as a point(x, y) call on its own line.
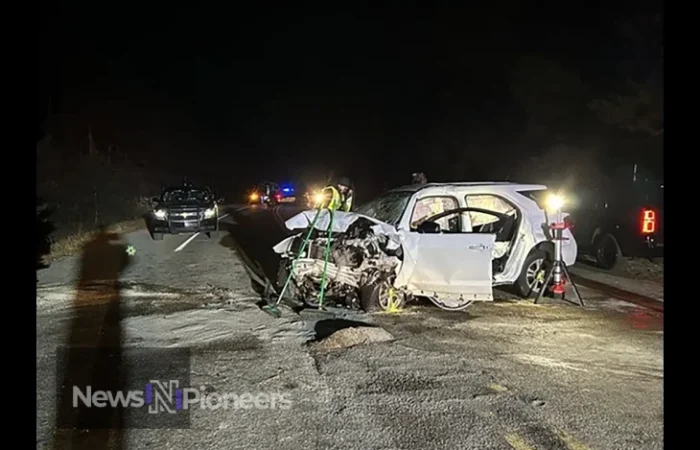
point(503, 375)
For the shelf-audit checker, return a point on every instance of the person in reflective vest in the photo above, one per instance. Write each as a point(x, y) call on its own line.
point(339, 197)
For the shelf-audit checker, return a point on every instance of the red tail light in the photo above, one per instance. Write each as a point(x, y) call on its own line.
point(648, 221)
point(569, 222)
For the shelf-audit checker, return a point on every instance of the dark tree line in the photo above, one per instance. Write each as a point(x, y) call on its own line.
point(450, 102)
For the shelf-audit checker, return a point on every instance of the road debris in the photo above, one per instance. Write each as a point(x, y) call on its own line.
point(350, 337)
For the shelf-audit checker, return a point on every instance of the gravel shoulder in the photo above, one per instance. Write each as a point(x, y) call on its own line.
point(639, 276)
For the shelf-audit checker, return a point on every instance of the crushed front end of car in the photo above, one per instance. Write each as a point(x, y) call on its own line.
point(363, 260)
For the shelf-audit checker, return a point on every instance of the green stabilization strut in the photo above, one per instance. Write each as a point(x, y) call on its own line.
point(273, 309)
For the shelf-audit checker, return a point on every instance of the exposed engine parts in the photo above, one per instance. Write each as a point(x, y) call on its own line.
point(357, 258)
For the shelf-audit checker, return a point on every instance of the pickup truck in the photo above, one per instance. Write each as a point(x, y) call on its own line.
point(621, 219)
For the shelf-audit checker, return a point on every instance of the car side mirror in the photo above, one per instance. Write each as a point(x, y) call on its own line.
point(429, 228)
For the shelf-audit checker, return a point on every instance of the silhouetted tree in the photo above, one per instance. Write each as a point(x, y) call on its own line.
point(638, 108)
point(549, 94)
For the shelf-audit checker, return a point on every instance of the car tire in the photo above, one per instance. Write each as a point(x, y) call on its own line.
point(373, 298)
point(608, 255)
point(157, 236)
point(535, 262)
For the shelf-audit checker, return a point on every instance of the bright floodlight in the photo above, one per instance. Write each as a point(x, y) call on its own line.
point(555, 202)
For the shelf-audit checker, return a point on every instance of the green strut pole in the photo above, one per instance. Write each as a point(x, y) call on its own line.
point(325, 261)
point(301, 251)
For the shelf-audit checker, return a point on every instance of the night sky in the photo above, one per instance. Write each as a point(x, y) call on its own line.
point(304, 92)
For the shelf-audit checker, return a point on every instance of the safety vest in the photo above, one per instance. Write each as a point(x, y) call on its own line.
point(337, 200)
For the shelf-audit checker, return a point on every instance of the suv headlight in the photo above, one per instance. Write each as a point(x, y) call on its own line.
point(209, 213)
point(160, 214)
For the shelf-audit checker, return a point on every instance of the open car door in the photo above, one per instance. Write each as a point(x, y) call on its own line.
point(452, 267)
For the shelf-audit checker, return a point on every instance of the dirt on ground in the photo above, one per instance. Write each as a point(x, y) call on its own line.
point(633, 268)
point(350, 337)
point(644, 269)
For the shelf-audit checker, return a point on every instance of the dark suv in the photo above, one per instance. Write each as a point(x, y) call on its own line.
point(184, 209)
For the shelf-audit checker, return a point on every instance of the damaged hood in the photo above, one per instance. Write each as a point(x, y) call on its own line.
point(341, 223)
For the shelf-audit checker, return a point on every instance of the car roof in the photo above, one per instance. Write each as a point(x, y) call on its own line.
point(185, 188)
point(505, 184)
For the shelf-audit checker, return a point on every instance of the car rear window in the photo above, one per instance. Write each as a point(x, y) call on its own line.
point(539, 196)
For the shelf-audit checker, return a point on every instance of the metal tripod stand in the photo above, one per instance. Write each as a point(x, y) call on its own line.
point(558, 274)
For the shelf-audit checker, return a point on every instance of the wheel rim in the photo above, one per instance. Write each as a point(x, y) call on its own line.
point(385, 291)
point(534, 275)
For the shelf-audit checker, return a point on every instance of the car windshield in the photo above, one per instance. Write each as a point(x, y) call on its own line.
point(387, 208)
point(184, 195)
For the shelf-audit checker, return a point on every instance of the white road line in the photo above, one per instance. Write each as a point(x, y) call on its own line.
point(184, 244)
point(278, 218)
point(191, 238)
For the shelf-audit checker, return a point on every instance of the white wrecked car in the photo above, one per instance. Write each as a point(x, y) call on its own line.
point(448, 242)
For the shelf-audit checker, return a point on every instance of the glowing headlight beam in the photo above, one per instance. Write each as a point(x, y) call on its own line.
point(555, 202)
point(160, 214)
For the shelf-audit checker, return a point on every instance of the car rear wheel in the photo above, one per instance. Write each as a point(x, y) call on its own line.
point(608, 255)
point(532, 276)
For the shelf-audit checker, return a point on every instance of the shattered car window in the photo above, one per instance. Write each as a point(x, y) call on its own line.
point(430, 206)
point(388, 208)
point(489, 202)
